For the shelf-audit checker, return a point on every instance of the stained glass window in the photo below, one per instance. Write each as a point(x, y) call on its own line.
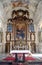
point(9, 27)
point(31, 27)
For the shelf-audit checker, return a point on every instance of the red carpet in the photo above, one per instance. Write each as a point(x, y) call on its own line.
point(30, 58)
point(9, 58)
point(12, 58)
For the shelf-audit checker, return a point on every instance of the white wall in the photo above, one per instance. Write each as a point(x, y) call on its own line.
point(37, 21)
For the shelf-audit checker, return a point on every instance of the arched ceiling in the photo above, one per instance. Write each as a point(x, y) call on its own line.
point(34, 5)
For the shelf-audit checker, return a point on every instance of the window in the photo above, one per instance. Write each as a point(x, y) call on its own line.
point(31, 27)
point(9, 27)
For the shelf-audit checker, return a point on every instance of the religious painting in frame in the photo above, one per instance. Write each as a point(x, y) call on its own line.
point(20, 31)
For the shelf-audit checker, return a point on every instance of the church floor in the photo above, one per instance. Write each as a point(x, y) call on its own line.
point(3, 55)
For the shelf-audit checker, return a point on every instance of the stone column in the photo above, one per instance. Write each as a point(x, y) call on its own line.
point(36, 38)
point(4, 37)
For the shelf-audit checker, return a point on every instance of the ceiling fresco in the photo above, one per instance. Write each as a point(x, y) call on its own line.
point(34, 7)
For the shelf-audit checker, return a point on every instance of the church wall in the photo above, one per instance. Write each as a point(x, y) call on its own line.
point(2, 45)
point(1, 48)
point(38, 26)
point(36, 38)
point(38, 44)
